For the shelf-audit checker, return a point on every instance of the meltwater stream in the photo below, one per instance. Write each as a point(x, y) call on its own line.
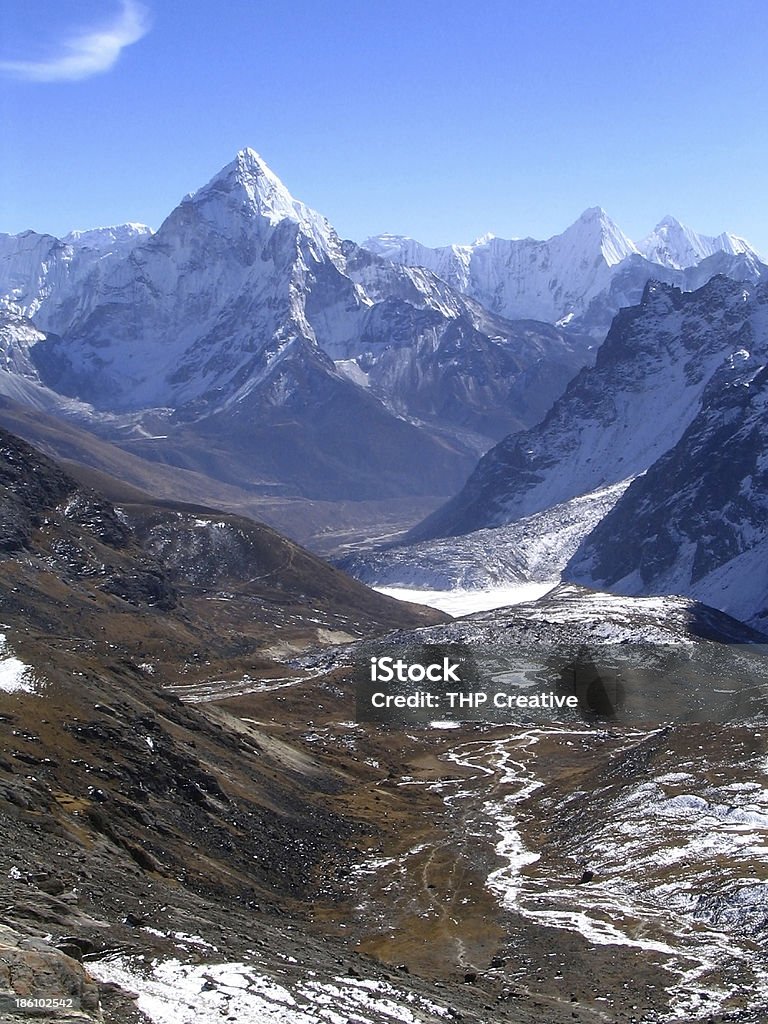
point(660, 850)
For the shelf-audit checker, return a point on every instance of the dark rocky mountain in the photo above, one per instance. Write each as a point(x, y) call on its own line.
point(645, 478)
point(144, 553)
point(695, 522)
point(617, 418)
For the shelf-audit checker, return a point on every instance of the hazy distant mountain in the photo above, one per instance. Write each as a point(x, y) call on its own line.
point(525, 277)
point(672, 244)
point(572, 277)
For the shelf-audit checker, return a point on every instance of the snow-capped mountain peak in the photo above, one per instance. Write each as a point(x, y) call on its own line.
point(675, 245)
point(247, 189)
point(248, 175)
point(595, 230)
point(107, 239)
point(580, 277)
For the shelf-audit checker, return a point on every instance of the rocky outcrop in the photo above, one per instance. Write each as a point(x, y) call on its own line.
point(40, 982)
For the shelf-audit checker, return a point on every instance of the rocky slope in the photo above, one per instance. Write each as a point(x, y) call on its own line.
point(695, 522)
point(118, 802)
point(615, 419)
point(189, 809)
point(144, 553)
point(605, 822)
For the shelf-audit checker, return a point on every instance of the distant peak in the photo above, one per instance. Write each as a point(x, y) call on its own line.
point(104, 238)
point(595, 227)
point(668, 221)
point(386, 238)
point(131, 227)
point(248, 189)
point(597, 216)
point(390, 246)
point(674, 244)
point(594, 213)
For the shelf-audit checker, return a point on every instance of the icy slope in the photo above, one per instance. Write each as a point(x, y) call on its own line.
point(696, 522)
point(617, 418)
point(534, 549)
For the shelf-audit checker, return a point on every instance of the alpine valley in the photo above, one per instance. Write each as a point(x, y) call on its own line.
point(645, 476)
point(240, 340)
point(201, 821)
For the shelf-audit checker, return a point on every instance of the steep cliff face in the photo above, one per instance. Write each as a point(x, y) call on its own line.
point(695, 523)
point(617, 418)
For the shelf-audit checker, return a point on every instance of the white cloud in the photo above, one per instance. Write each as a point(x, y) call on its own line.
point(90, 52)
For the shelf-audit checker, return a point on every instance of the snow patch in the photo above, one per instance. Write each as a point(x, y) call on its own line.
point(172, 992)
point(464, 602)
point(15, 676)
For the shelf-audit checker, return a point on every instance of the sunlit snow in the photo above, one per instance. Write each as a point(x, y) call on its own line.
point(15, 676)
point(463, 602)
point(172, 992)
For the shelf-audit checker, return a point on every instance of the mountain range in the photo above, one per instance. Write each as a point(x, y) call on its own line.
point(582, 276)
point(239, 342)
point(647, 476)
point(242, 337)
point(244, 317)
point(186, 800)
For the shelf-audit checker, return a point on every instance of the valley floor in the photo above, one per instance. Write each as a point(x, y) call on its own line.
point(465, 601)
point(573, 871)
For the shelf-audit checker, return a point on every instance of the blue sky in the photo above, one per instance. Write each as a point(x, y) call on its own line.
point(440, 120)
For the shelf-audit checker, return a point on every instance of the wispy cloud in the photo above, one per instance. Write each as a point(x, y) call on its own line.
point(89, 52)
